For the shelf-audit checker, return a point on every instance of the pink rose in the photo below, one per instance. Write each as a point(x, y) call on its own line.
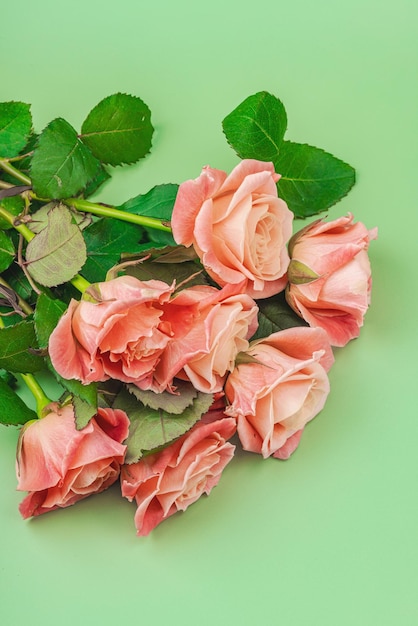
point(220, 323)
point(330, 276)
point(121, 336)
point(237, 225)
point(171, 480)
point(285, 386)
point(60, 465)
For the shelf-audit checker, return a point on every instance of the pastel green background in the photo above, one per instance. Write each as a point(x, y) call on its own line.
point(329, 537)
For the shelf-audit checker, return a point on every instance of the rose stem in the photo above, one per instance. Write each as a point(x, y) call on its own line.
point(109, 211)
point(21, 228)
point(13, 171)
point(38, 393)
point(91, 207)
point(80, 283)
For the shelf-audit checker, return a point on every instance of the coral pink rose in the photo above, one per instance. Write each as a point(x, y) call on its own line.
point(330, 276)
point(237, 225)
point(220, 324)
point(284, 387)
point(172, 479)
point(60, 465)
point(120, 336)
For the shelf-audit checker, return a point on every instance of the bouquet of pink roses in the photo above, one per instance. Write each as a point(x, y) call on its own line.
point(181, 319)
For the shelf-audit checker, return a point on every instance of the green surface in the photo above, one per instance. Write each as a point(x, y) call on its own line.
point(329, 537)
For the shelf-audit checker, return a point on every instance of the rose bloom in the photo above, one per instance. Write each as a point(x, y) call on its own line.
point(171, 480)
point(282, 389)
point(332, 282)
point(237, 225)
point(203, 351)
point(60, 465)
point(120, 336)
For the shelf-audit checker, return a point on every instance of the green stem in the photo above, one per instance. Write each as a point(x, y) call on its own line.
point(80, 283)
point(106, 211)
point(13, 171)
point(92, 207)
point(21, 228)
point(41, 399)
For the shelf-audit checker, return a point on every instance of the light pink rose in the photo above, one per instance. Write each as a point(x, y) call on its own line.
point(336, 267)
point(60, 465)
point(172, 479)
point(219, 325)
point(121, 336)
point(237, 225)
point(284, 387)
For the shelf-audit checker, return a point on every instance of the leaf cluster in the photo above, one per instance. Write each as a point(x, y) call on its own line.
point(311, 180)
point(158, 419)
point(42, 176)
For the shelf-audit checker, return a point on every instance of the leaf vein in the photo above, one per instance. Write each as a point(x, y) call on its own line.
point(256, 123)
point(108, 132)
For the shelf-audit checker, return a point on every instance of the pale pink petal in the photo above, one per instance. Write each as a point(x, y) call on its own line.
point(190, 196)
point(289, 447)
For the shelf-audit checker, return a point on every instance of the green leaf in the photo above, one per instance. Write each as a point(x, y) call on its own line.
point(7, 377)
point(58, 252)
point(15, 127)
point(24, 163)
point(40, 218)
point(47, 315)
point(174, 254)
point(14, 205)
point(18, 282)
point(61, 164)
point(87, 393)
point(167, 272)
point(100, 178)
point(151, 429)
point(168, 402)
point(7, 251)
point(159, 203)
point(107, 392)
point(13, 411)
point(83, 412)
point(274, 315)
point(106, 240)
point(311, 180)
point(118, 130)
point(17, 344)
point(255, 129)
